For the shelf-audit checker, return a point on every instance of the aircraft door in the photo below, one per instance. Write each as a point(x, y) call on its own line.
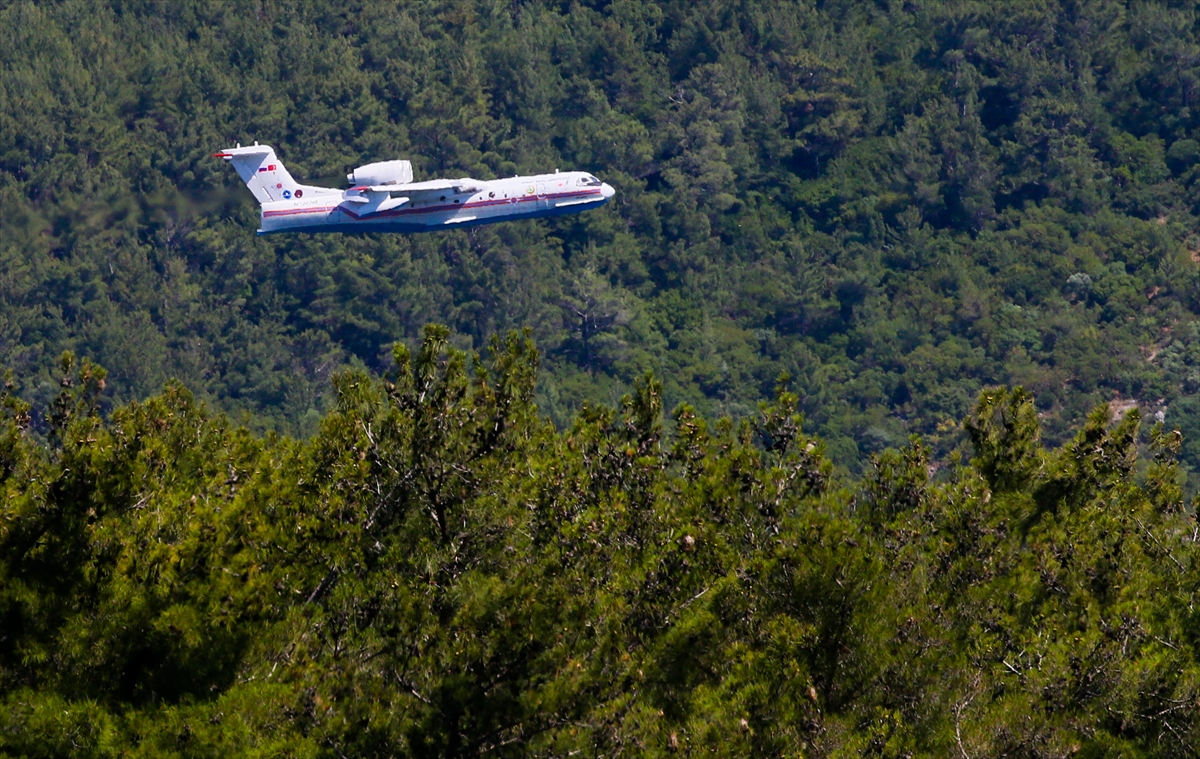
point(541, 193)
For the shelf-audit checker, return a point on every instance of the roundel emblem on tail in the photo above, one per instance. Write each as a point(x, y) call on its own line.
point(287, 194)
point(299, 193)
point(279, 185)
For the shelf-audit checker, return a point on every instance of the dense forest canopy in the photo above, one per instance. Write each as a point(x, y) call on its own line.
point(439, 571)
point(852, 429)
point(897, 203)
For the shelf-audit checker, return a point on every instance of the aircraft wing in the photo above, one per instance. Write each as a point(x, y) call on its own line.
point(368, 200)
point(463, 185)
point(371, 199)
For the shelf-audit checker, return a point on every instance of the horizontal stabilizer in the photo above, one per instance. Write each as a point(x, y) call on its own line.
point(249, 150)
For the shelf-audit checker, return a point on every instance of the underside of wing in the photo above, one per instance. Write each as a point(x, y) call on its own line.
point(367, 200)
point(363, 201)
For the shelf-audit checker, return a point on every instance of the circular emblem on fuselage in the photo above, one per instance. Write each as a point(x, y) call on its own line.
point(287, 194)
point(299, 193)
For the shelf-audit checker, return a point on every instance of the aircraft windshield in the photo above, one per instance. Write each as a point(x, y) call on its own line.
point(589, 181)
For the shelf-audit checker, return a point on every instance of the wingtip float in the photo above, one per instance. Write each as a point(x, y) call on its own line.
point(384, 198)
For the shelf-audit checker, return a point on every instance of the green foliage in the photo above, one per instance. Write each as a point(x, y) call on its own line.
point(897, 204)
point(1004, 432)
point(361, 537)
point(438, 571)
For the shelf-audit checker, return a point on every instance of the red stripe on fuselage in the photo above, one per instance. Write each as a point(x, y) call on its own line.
point(433, 209)
point(295, 211)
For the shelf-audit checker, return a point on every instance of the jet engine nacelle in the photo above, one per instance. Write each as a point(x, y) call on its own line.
point(384, 172)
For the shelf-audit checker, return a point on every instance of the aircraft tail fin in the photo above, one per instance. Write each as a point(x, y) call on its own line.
point(262, 172)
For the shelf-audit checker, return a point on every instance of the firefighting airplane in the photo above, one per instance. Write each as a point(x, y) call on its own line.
point(383, 197)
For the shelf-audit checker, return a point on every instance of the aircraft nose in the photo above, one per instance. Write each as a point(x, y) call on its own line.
point(607, 190)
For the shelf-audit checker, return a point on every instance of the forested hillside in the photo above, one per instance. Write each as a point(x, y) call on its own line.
point(896, 203)
point(440, 572)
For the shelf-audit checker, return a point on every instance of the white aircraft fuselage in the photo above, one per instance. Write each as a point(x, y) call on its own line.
point(401, 205)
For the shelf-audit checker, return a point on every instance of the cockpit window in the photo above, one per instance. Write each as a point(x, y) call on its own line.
point(588, 181)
